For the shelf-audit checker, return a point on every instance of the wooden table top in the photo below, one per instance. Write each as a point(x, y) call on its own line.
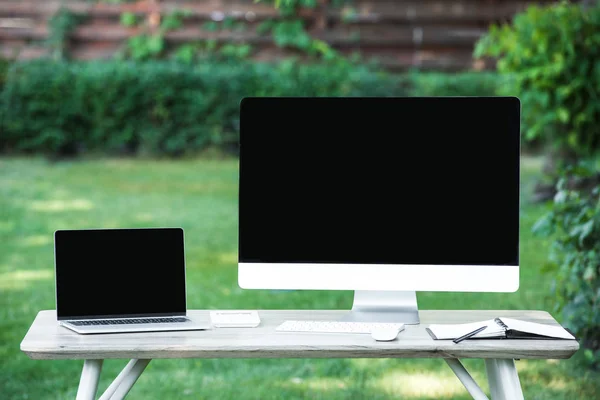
point(47, 340)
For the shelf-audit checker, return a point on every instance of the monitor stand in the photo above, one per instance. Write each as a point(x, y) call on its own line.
point(384, 306)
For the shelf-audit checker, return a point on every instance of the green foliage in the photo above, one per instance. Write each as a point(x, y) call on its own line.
point(211, 26)
point(290, 7)
point(457, 84)
point(128, 19)
point(60, 25)
point(574, 224)
point(552, 55)
point(210, 51)
point(232, 24)
point(289, 30)
point(235, 51)
point(4, 65)
point(174, 20)
point(186, 53)
point(166, 108)
point(150, 45)
point(291, 33)
point(157, 107)
point(145, 46)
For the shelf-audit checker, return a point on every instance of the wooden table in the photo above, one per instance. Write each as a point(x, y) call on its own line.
point(46, 340)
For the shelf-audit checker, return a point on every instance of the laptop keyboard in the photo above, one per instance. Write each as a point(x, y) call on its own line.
point(129, 321)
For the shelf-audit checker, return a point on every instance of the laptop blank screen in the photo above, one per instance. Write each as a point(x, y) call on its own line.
point(120, 272)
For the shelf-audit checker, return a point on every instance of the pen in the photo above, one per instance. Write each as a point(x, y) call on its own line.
point(468, 335)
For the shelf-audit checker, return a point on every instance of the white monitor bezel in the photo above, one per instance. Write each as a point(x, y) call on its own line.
point(389, 277)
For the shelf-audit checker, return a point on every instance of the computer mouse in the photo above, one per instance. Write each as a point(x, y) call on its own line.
point(385, 334)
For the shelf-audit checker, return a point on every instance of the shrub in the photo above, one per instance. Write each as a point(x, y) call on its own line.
point(4, 64)
point(574, 223)
point(173, 108)
point(551, 55)
point(455, 84)
point(155, 107)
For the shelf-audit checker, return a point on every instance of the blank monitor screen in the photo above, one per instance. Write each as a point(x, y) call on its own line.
point(117, 272)
point(379, 181)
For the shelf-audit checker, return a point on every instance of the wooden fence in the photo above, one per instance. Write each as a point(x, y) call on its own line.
point(427, 34)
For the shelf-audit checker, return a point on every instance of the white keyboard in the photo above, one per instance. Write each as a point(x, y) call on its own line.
point(335, 326)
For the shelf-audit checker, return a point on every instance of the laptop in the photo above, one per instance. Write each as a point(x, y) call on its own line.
point(121, 280)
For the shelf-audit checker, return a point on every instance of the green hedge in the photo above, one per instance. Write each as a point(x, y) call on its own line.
point(4, 65)
point(173, 109)
point(573, 224)
point(159, 108)
point(456, 84)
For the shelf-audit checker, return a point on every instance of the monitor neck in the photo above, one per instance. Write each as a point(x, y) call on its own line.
point(384, 306)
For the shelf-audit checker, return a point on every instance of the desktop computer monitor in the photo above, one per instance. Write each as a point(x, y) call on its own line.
point(383, 196)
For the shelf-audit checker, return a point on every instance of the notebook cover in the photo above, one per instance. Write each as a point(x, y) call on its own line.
point(512, 334)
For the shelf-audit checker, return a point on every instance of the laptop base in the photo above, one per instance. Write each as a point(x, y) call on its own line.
point(132, 328)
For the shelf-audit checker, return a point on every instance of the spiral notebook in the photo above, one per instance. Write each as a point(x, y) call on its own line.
point(499, 328)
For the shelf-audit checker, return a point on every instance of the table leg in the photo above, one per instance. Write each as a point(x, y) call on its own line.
point(503, 379)
point(123, 383)
point(467, 380)
point(88, 383)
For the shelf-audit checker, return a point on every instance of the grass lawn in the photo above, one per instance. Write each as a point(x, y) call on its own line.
point(37, 197)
